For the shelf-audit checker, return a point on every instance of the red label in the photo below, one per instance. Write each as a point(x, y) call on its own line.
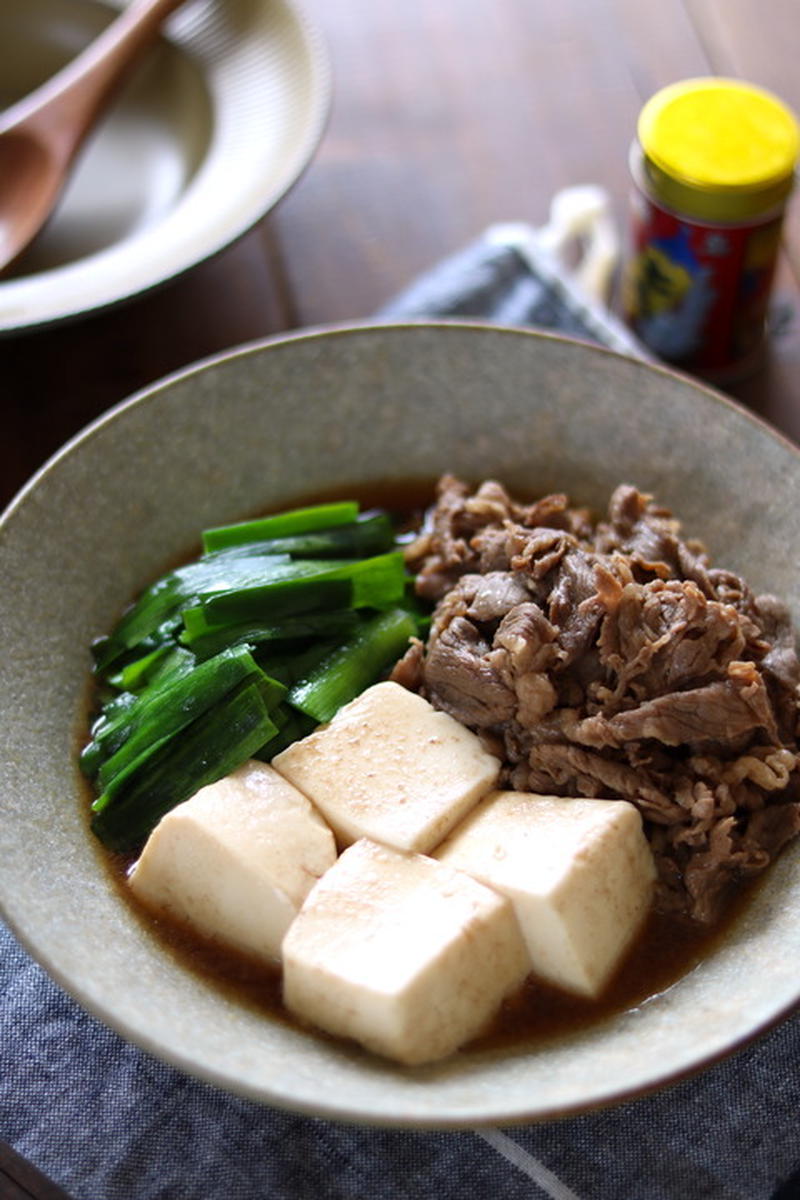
point(697, 294)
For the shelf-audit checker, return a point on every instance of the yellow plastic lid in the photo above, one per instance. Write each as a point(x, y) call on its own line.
point(719, 149)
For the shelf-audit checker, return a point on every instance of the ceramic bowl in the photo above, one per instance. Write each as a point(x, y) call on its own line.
point(326, 411)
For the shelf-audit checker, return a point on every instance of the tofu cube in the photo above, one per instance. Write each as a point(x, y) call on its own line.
point(579, 873)
point(401, 953)
point(236, 861)
point(391, 768)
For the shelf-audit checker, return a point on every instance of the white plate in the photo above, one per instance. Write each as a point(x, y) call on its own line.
point(210, 132)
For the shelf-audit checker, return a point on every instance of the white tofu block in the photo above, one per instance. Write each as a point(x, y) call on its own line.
point(391, 768)
point(579, 873)
point(401, 953)
point(236, 861)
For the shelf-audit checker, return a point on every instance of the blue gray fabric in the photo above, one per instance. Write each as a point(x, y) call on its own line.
point(511, 284)
point(107, 1122)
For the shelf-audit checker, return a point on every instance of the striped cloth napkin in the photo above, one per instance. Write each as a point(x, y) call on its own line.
point(107, 1122)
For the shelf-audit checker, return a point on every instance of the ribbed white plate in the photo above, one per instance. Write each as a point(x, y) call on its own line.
point(214, 127)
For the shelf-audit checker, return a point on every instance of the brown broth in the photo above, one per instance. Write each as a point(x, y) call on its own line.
point(667, 948)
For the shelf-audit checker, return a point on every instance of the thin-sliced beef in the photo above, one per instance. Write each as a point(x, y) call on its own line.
point(408, 671)
point(720, 713)
point(460, 680)
point(576, 605)
point(490, 597)
point(662, 636)
point(610, 659)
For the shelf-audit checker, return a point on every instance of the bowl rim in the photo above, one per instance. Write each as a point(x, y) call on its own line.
point(324, 330)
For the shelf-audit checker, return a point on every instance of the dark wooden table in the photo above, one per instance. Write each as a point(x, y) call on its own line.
point(449, 115)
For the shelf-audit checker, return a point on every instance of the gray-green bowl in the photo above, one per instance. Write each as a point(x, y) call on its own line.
point(323, 411)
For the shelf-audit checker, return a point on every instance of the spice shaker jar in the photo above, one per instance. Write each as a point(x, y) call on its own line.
point(713, 167)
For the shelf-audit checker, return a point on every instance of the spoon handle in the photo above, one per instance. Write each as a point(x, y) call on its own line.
point(63, 109)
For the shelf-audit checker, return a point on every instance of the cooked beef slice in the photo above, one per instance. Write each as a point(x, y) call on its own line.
point(779, 663)
point(610, 659)
point(666, 635)
point(461, 679)
point(723, 712)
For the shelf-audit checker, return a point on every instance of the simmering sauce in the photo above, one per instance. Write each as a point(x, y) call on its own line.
point(666, 949)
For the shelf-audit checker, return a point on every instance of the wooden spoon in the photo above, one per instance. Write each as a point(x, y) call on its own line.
point(41, 135)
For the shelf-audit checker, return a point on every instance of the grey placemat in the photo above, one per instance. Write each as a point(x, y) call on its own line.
point(108, 1122)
